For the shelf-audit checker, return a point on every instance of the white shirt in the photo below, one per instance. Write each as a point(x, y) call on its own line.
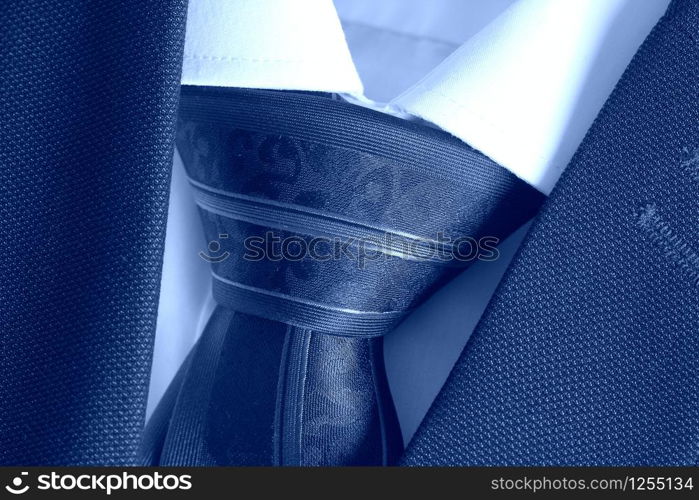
point(521, 81)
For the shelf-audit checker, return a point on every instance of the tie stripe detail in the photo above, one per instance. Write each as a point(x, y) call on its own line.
point(303, 313)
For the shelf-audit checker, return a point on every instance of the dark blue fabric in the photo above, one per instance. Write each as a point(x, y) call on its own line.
point(299, 378)
point(587, 353)
point(88, 95)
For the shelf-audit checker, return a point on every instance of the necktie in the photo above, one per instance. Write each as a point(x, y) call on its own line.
point(86, 140)
point(289, 369)
point(587, 352)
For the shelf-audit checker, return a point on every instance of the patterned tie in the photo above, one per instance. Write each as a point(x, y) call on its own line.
point(587, 353)
point(289, 370)
point(86, 141)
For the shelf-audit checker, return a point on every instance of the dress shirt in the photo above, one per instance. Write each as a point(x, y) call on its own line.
point(520, 81)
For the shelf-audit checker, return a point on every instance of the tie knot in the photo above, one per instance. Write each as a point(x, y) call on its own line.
point(337, 218)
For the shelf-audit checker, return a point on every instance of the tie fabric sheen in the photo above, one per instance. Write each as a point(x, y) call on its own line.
point(289, 369)
point(87, 117)
point(587, 353)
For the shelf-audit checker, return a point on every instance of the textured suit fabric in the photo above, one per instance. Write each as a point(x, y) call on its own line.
point(289, 370)
point(587, 353)
point(88, 95)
